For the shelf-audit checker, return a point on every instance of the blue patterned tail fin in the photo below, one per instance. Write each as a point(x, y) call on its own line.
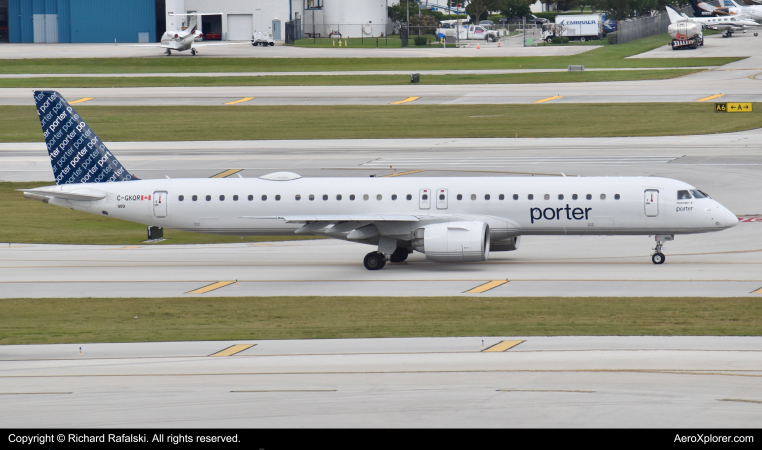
point(76, 153)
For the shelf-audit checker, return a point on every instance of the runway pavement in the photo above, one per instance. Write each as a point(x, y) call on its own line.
point(607, 381)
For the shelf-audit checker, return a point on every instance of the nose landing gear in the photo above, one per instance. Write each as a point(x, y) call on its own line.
point(168, 52)
point(193, 52)
point(658, 257)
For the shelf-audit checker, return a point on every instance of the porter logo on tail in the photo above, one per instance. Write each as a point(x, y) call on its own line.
point(76, 153)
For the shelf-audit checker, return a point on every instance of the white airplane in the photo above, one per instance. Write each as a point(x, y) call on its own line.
point(754, 11)
point(726, 24)
point(453, 219)
point(183, 40)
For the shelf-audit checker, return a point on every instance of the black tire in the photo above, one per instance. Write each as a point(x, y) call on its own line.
point(658, 258)
point(272, 43)
point(582, 39)
point(548, 40)
point(399, 255)
point(374, 261)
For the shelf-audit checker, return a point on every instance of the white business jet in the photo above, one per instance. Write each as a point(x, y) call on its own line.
point(183, 40)
point(753, 11)
point(452, 220)
point(726, 24)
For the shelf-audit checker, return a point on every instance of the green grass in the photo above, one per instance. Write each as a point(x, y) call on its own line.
point(392, 41)
point(149, 123)
point(608, 56)
point(30, 221)
point(81, 320)
point(343, 80)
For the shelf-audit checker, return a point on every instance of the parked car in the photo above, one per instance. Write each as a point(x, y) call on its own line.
point(531, 18)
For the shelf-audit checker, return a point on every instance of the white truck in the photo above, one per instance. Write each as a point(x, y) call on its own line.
point(580, 27)
point(262, 38)
point(468, 32)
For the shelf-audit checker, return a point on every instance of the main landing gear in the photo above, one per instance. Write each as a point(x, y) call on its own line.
point(193, 52)
point(377, 260)
point(168, 52)
point(658, 257)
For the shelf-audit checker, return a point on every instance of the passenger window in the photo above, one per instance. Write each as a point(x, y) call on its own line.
point(297, 197)
point(441, 197)
point(547, 196)
point(222, 198)
point(264, 198)
point(560, 196)
point(530, 197)
point(616, 196)
point(181, 198)
point(365, 197)
point(425, 197)
point(589, 197)
point(603, 196)
point(460, 196)
point(277, 197)
point(235, 198)
point(251, 197)
point(684, 195)
point(194, 198)
point(394, 196)
point(378, 197)
point(352, 197)
point(575, 197)
point(338, 196)
point(486, 196)
point(502, 197)
point(515, 196)
point(697, 194)
point(409, 197)
point(312, 197)
point(325, 197)
point(208, 198)
point(473, 196)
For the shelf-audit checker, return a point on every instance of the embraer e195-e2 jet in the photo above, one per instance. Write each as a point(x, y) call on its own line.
point(453, 219)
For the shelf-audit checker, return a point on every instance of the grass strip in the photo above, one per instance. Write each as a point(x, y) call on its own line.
point(188, 318)
point(150, 123)
point(344, 80)
point(30, 221)
point(607, 56)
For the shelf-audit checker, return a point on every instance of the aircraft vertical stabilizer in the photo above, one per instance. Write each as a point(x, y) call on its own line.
point(76, 153)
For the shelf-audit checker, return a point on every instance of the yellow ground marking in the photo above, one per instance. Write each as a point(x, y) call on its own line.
point(226, 173)
point(758, 291)
point(543, 390)
point(211, 287)
point(245, 99)
point(502, 346)
point(399, 174)
point(711, 97)
point(233, 349)
point(292, 390)
point(739, 400)
point(124, 248)
point(82, 100)
point(407, 100)
point(548, 99)
point(486, 287)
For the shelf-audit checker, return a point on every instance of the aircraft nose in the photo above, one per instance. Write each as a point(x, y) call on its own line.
point(724, 218)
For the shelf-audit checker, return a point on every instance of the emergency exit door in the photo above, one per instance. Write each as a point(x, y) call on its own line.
point(652, 202)
point(424, 199)
point(160, 204)
point(441, 198)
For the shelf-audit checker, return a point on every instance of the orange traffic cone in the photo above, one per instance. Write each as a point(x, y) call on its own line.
point(477, 46)
point(498, 43)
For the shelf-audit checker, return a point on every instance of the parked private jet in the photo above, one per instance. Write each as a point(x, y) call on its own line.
point(726, 24)
point(754, 11)
point(454, 219)
point(183, 40)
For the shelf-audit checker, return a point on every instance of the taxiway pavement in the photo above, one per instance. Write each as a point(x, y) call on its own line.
point(606, 381)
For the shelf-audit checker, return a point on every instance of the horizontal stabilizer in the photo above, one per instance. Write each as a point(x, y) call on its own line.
point(56, 192)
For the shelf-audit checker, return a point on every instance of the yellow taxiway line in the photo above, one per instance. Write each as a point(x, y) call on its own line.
point(502, 346)
point(226, 173)
point(711, 97)
point(233, 349)
point(548, 99)
point(401, 173)
point(82, 100)
point(245, 99)
point(407, 100)
point(211, 287)
point(486, 286)
point(758, 291)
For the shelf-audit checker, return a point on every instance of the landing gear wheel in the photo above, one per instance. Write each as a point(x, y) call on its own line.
point(374, 261)
point(399, 255)
point(658, 258)
point(193, 51)
point(756, 34)
point(168, 52)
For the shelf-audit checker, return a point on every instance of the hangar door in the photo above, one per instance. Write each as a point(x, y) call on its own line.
point(240, 27)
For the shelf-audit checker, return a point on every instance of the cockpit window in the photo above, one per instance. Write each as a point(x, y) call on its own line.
point(705, 194)
point(697, 194)
point(684, 195)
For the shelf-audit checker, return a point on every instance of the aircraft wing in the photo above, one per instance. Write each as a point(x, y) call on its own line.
point(46, 193)
point(207, 44)
point(142, 45)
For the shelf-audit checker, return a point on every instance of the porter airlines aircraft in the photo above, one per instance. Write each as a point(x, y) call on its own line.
point(447, 219)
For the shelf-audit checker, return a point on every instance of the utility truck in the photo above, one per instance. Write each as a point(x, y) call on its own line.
point(262, 38)
point(468, 32)
point(577, 27)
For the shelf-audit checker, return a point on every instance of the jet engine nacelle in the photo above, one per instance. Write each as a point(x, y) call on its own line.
point(507, 245)
point(684, 30)
point(465, 241)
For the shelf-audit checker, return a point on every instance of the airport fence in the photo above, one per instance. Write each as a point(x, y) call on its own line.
point(632, 29)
